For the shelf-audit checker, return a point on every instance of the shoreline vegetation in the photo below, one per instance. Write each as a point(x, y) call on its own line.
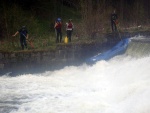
point(91, 20)
point(47, 45)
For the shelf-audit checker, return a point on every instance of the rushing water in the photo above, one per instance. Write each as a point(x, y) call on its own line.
point(120, 85)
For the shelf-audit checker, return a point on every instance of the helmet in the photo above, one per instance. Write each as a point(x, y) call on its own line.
point(59, 19)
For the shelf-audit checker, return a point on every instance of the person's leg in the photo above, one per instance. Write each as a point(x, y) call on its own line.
point(21, 43)
point(60, 36)
point(25, 43)
point(112, 26)
point(68, 35)
point(57, 37)
point(115, 26)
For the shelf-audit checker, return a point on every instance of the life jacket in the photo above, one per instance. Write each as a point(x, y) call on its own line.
point(58, 25)
point(69, 26)
point(23, 32)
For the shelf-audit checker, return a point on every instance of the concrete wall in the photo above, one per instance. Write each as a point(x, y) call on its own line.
point(69, 54)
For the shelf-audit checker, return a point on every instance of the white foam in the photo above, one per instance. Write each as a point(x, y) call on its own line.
point(118, 86)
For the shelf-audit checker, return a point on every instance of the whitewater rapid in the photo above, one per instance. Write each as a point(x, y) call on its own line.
point(120, 85)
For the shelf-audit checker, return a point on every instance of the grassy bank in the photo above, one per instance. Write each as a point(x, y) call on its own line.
point(90, 24)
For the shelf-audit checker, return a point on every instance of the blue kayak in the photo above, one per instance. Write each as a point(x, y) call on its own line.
point(120, 48)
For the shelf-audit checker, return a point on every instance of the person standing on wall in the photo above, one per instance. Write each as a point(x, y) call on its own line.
point(69, 29)
point(58, 27)
point(114, 21)
point(23, 36)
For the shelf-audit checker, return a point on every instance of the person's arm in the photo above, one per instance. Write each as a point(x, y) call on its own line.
point(72, 26)
point(27, 37)
point(55, 25)
point(66, 26)
point(15, 34)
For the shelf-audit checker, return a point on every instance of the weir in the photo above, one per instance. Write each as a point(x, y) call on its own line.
point(139, 47)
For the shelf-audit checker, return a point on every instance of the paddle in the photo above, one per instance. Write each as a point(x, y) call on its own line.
point(29, 42)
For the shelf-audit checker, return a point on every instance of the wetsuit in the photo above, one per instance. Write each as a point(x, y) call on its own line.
point(114, 18)
point(23, 34)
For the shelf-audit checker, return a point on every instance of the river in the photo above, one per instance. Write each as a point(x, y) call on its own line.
point(120, 85)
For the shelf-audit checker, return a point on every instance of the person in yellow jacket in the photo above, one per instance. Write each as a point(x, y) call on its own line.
point(69, 29)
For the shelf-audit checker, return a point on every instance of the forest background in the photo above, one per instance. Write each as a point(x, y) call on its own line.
point(89, 16)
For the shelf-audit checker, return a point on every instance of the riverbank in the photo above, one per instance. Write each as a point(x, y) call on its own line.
point(34, 61)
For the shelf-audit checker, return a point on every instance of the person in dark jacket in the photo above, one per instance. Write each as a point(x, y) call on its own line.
point(23, 36)
point(114, 21)
point(58, 27)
